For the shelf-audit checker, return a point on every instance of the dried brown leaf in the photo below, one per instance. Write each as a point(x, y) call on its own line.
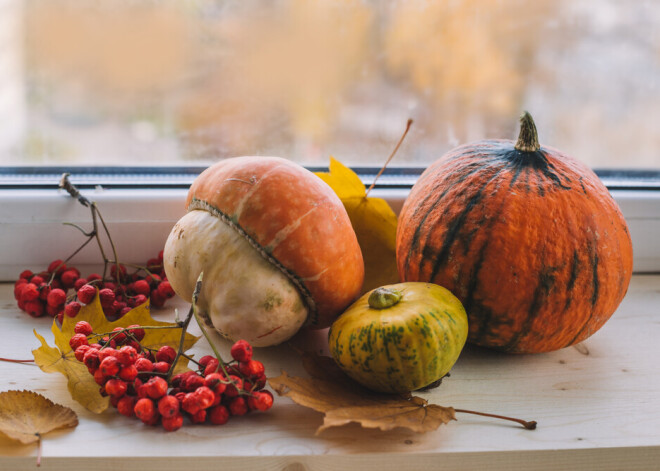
point(26, 416)
point(343, 402)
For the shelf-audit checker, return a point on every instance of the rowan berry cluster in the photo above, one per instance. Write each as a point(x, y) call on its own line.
point(61, 290)
point(141, 384)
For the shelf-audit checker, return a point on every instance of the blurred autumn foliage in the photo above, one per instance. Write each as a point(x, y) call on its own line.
point(207, 79)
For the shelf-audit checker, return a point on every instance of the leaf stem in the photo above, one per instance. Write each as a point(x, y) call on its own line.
point(17, 361)
point(531, 425)
point(398, 144)
point(39, 449)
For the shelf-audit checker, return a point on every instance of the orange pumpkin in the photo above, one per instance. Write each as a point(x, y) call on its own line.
point(528, 238)
point(295, 225)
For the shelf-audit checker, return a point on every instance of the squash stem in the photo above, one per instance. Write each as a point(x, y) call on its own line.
point(531, 425)
point(528, 139)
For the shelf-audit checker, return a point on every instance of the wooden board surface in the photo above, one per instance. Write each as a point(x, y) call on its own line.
point(597, 406)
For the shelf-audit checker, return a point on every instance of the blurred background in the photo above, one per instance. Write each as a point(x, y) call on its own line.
point(119, 82)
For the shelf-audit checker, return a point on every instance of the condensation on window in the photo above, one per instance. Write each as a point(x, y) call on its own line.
point(116, 82)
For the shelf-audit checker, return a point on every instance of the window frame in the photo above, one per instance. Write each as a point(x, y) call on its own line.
point(141, 204)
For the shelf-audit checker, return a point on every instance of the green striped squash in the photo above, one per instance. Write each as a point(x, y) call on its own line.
point(400, 337)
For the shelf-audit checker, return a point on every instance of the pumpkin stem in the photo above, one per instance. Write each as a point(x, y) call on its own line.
point(382, 298)
point(528, 139)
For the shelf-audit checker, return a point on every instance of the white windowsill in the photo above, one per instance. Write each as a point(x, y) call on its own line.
point(32, 233)
point(597, 407)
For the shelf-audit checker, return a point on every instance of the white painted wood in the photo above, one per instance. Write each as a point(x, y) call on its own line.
point(599, 410)
point(32, 234)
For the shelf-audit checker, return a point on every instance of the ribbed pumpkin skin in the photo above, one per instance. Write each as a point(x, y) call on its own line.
point(532, 244)
point(404, 347)
point(295, 218)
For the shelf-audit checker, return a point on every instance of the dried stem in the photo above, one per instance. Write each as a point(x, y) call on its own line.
point(39, 449)
point(179, 352)
point(10, 360)
point(528, 425)
point(398, 144)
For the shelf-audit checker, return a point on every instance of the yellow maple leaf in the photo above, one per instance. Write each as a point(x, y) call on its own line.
point(373, 221)
point(81, 384)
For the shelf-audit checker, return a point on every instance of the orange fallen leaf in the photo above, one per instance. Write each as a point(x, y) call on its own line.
point(26, 416)
point(81, 384)
point(344, 401)
point(373, 221)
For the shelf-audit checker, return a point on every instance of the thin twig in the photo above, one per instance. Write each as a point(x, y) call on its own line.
point(17, 361)
point(398, 144)
point(184, 328)
point(528, 425)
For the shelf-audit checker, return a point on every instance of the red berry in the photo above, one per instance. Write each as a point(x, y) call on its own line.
point(211, 366)
point(166, 354)
point(86, 294)
point(110, 285)
point(60, 317)
point(156, 299)
point(234, 387)
point(238, 406)
point(38, 280)
point(241, 351)
point(93, 277)
point(109, 366)
point(126, 405)
point(252, 368)
point(44, 291)
point(107, 297)
point(108, 343)
point(192, 382)
point(99, 377)
point(127, 355)
point(160, 256)
point(120, 337)
point(35, 308)
point(153, 264)
point(72, 309)
point(123, 312)
point(165, 290)
point(107, 352)
point(80, 282)
point(138, 300)
point(215, 383)
point(77, 340)
point(122, 272)
point(53, 310)
point(91, 358)
point(144, 409)
point(153, 280)
point(83, 327)
point(26, 274)
point(205, 396)
point(172, 423)
point(56, 297)
point(205, 360)
point(156, 387)
point(29, 292)
point(58, 265)
point(142, 364)
point(69, 278)
point(80, 352)
point(137, 332)
point(218, 415)
point(18, 288)
point(116, 387)
point(161, 367)
point(168, 406)
point(199, 417)
point(191, 404)
point(142, 287)
point(260, 400)
point(128, 373)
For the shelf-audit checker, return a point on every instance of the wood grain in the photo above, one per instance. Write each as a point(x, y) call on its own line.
point(597, 406)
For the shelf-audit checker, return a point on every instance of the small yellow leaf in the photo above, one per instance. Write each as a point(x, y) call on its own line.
point(26, 415)
point(81, 384)
point(373, 221)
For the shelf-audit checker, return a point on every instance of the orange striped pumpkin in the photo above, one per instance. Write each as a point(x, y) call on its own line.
point(290, 217)
point(528, 238)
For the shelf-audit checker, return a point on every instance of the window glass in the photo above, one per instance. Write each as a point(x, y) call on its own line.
point(116, 82)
